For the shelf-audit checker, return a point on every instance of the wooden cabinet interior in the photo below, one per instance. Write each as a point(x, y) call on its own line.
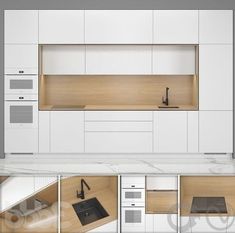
point(104, 188)
point(207, 186)
point(44, 220)
point(161, 202)
point(118, 90)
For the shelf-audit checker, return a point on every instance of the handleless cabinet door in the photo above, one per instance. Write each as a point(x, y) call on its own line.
point(216, 26)
point(118, 26)
point(67, 131)
point(61, 27)
point(15, 189)
point(165, 223)
point(21, 26)
point(216, 131)
point(215, 77)
point(193, 131)
point(175, 27)
point(231, 224)
point(21, 59)
point(170, 131)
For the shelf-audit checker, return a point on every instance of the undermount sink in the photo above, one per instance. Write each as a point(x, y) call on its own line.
point(89, 211)
point(168, 106)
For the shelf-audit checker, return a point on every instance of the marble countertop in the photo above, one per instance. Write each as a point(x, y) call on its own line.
point(117, 164)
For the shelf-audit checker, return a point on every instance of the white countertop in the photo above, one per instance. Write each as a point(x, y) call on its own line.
point(117, 164)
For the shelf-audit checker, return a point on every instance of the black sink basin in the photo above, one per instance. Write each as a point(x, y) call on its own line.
point(89, 211)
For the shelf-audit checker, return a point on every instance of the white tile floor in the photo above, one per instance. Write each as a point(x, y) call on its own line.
point(118, 164)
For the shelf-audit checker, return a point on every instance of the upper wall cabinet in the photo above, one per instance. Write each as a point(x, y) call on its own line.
point(118, 27)
point(118, 59)
point(63, 59)
point(174, 59)
point(21, 59)
point(175, 27)
point(61, 27)
point(215, 26)
point(21, 26)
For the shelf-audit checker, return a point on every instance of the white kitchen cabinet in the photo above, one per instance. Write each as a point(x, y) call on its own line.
point(118, 26)
point(216, 77)
point(175, 26)
point(14, 189)
point(133, 182)
point(110, 227)
point(44, 132)
point(61, 26)
point(231, 224)
point(210, 224)
point(118, 142)
point(193, 131)
point(21, 59)
point(63, 59)
point(118, 59)
point(215, 26)
point(149, 219)
point(185, 224)
point(67, 131)
point(174, 59)
point(170, 131)
point(165, 223)
point(215, 131)
point(21, 26)
point(41, 182)
point(162, 182)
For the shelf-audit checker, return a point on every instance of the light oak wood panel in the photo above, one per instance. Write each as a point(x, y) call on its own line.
point(3, 178)
point(4, 226)
point(161, 202)
point(101, 187)
point(117, 90)
point(207, 186)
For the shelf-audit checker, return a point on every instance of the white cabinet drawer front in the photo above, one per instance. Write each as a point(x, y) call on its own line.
point(193, 131)
point(231, 224)
point(61, 26)
point(165, 223)
point(216, 26)
point(133, 181)
point(63, 59)
point(15, 189)
point(119, 126)
point(216, 131)
point(176, 26)
point(118, 142)
point(118, 59)
point(118, 26)
point(110, 227)
point(21, 26)
point(172, 60)
point(41, 182)
point(21, 59)
point(162, 183)
point(118, 116)
point(133, 195)
point(209, 224)
point(44, 131)
point(185, 225)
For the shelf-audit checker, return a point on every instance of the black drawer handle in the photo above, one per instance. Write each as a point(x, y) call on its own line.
point(133, 186)
point(21, 71)
point(21, 97)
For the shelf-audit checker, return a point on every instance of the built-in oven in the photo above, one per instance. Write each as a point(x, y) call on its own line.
point(21, 84)
point(133, 218)
point(21, 111)
point(133, 195)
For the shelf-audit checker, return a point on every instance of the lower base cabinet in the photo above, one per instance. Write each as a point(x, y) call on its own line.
point(231, 224)
point(106, 228)
point(161, 223)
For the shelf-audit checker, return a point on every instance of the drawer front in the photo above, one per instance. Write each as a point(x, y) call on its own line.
point(165, 223)
point(133, 195)
point(128, 182)
point(118, 142)
point(162, 183)
point(118, 116)
point(118, 126)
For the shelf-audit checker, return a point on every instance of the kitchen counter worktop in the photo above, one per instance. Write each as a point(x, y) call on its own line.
point(116, 107)
point(70, 222)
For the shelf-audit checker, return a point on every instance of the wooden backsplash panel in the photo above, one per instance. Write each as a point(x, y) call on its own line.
point(117, 90)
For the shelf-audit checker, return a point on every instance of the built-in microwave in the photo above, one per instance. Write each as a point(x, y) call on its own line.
point(21, 112)
point(133, 195)
point(133, 218)
point(21, 84)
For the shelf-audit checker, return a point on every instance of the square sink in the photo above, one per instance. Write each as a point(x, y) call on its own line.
point(89, 211)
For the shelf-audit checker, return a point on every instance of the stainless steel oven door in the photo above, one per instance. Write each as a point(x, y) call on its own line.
point(21, 114)
point(21, 84)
